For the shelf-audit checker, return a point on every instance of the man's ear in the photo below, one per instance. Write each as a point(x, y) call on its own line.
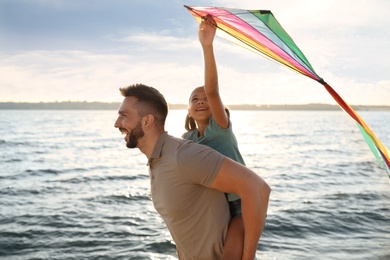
point(147, 121)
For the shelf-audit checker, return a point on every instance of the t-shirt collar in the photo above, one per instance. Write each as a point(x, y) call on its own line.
point(158, 147)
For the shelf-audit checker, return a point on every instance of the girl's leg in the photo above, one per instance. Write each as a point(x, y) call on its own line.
point(234, 242)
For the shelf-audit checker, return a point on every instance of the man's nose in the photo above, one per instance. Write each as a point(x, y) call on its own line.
point(116, 124)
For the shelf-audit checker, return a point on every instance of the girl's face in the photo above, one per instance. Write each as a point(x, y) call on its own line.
point(199, 107)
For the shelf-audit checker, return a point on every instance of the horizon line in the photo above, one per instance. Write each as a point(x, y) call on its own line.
point(181, 104)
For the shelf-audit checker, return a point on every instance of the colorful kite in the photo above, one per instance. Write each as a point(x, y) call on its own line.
point(259, 31)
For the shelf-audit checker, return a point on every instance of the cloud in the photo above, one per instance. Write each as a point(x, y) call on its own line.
point(82, 52)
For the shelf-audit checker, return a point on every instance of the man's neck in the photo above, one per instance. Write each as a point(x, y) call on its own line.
point(148, 142)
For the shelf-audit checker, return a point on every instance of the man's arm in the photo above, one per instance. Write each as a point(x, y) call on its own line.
point(254, 193)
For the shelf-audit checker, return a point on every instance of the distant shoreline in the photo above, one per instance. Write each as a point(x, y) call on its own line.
point(68, 105)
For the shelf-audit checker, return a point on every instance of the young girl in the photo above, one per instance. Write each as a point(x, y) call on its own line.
point(208, 123)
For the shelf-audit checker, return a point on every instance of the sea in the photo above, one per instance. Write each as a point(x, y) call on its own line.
point(70, 189)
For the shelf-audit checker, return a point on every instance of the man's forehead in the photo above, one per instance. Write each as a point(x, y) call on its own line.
point(127, 105)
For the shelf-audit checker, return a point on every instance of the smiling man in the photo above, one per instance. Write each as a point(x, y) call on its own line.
point(189, 180)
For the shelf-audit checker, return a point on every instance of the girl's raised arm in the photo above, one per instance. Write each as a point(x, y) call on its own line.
point(206, 33)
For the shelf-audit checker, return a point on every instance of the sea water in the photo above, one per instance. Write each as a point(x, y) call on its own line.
point(70, 189)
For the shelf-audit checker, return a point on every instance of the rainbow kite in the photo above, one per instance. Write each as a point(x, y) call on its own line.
point(259, 31)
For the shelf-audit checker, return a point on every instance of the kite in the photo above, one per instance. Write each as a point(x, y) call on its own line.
point(259, 31)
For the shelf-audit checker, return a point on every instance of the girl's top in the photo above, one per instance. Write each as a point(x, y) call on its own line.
point(220, 139)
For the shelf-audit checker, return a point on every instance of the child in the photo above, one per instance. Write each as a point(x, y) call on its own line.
point(208, 123)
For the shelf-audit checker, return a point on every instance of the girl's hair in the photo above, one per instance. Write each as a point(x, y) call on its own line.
point(190, 122)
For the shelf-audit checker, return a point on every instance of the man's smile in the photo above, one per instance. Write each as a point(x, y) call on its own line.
point(123, 131)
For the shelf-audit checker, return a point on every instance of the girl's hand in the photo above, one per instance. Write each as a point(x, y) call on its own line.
point(206, 31)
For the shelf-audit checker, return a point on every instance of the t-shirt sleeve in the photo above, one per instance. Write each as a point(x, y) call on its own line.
point(199, 163)
point(215, 127)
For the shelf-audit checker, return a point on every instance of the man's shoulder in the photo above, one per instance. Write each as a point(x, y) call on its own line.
point(183, 146)
point(172, 143)
point(175, 140)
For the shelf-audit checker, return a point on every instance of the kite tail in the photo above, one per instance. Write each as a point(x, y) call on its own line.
point(378, 149)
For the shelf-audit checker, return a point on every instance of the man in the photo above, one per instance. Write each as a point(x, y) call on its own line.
point(189, 181)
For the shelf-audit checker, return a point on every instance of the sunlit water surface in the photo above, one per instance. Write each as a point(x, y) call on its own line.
point(70, 189)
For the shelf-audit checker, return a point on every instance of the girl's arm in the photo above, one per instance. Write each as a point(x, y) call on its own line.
point(206, 33)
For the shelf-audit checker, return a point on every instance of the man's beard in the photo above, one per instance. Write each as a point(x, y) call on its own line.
point(134, 136)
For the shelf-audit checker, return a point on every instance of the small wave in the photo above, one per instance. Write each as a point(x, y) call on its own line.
point(40, 172)
point(160, 247)
point(123, 198)
point(97, 178)
point(24, 192)
point(75, 170)
point(13, 160)
point(11, 143)
point(353, 196)
point(283, 135)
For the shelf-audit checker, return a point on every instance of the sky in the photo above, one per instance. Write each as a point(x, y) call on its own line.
point(79, 50)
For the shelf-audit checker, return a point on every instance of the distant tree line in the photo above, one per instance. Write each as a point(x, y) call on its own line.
point(67, 105)
point(84, 105)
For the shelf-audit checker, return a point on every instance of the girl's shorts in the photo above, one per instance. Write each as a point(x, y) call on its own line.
point(235, 208)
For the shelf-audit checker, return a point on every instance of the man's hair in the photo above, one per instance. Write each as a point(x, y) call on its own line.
point(149, 101)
